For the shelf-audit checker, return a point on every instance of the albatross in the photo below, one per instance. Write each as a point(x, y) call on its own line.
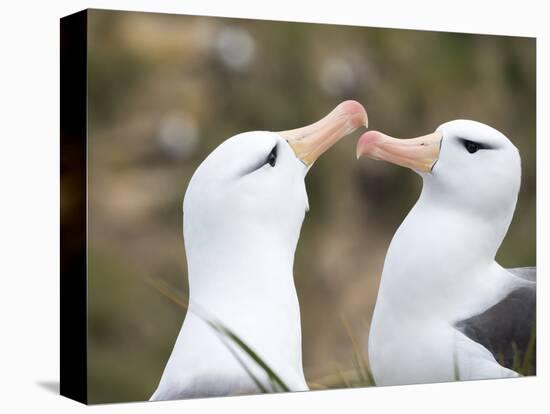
point(242, 215)
point(446, 310)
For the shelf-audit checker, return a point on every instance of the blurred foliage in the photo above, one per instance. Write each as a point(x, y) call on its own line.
point(165, 90)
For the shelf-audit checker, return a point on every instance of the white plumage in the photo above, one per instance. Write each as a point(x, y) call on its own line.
point(440, 268)
point(243, 211)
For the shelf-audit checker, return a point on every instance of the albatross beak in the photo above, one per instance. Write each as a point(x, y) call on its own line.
point(311, 141)
point(419, 154)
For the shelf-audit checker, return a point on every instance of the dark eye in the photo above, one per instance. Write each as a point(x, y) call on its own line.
point(471, 147)
point(272, 157)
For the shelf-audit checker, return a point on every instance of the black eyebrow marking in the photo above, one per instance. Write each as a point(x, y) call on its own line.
point(481, 146)
point(256, 166)
point(252, 168)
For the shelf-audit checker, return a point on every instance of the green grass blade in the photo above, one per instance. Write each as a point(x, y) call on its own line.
point(277, 383)
point(528, 364)
point(456, 368)
point(273, 377)
point(249, 372)
point(363, 372)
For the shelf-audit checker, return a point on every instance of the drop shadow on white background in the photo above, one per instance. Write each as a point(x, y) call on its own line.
point(49, 385)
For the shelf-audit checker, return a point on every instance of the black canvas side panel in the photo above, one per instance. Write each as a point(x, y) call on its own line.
point(73, 370)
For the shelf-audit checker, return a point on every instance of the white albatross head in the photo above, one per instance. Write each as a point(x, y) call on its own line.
point(249, 197)
point(440, 266)
point(464, 164)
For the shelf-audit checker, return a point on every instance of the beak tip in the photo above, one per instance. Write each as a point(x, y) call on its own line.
point(356, 113)
point(364, 143)
point(311, 141)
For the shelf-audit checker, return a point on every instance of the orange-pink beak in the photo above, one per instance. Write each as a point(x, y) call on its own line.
point(419, 154)
point(311, 141)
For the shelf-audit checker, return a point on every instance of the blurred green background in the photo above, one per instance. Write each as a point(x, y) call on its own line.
point(165, 90)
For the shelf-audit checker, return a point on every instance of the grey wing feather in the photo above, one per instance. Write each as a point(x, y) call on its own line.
point(508, 328)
